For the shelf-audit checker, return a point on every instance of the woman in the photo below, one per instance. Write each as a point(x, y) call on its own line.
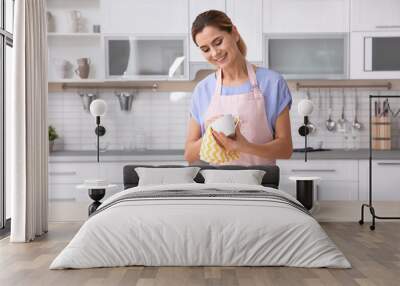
point(258, 96)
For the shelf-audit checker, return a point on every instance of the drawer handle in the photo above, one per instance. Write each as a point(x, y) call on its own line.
point(62, 173)
point(388, 163)
point(387, 26)
point(314, 170)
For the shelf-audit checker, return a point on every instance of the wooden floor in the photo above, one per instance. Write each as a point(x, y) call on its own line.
point(375, 257)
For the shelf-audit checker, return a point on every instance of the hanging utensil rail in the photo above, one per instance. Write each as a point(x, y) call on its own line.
point(119, 86)
point(387, 85)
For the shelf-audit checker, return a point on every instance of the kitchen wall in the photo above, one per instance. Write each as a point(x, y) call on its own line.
point(158, 120)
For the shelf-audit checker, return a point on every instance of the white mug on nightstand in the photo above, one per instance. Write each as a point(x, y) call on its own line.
point(225, 124)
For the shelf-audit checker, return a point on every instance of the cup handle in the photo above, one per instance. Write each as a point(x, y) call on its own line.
point(237, 119)
point(77, 71)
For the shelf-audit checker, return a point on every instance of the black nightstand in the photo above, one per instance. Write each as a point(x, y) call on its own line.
point(305, 190)
point(96, 193)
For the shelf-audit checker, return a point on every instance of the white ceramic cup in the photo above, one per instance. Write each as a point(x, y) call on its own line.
point(225, 124)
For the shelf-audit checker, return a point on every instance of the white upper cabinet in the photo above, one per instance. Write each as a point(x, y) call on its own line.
point(195, 8)
point(306, 16)
point(372, 15)
point(247, 16)
point(375, 55)
point(145, 17)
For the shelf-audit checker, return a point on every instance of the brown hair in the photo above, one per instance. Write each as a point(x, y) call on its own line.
point(218, 20)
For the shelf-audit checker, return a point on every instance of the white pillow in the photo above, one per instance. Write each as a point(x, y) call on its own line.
point(163, 176)
point(249, 177)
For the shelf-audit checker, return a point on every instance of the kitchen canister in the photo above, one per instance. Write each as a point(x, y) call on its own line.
point(381, 133)
point(83, 67)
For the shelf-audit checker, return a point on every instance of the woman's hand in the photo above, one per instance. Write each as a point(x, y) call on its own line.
point(231, 144)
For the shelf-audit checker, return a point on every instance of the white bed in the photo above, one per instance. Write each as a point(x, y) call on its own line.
point(207, 230)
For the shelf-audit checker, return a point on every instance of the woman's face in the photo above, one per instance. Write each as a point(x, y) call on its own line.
point(218, 47)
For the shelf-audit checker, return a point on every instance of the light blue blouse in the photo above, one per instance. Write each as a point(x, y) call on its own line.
point(272, 85)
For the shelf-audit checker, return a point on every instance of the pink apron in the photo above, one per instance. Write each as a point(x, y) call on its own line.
point(250, 108)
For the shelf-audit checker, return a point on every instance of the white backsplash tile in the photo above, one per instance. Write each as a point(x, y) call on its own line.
point(157, 121)
point(161, 119)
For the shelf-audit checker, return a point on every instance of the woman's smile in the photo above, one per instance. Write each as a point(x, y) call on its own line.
point(221, 59)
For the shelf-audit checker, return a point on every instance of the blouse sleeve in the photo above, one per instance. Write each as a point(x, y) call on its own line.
point(195, 106)
point(284, 96)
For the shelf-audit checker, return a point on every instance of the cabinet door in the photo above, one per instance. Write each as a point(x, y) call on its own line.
point(195, 8)
point(374, 55)
point(385, 180)
point(247, 16)
point(305, 16)
point(372, 15)
point(62, 191)
point(338, 178)
point(139, 57)
point(311, 56)
point(145, 17)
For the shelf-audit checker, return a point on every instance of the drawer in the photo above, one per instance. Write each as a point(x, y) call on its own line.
point(385, 180)
point(338, 170)
point(78, 172)
point(337, 191)
point(63, 173)
point(62, 191)
point(327, 190)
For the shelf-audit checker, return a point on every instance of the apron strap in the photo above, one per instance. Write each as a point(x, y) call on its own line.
point(253, 80)
point(218, 87)
point(252, 75)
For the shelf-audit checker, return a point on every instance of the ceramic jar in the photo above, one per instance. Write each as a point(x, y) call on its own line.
point(83, 68)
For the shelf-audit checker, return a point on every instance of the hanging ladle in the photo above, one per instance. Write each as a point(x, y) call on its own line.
point(342, 122)
point(330, 124)
point(356, 124)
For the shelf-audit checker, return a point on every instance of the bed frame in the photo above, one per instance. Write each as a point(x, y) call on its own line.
point(270, 179)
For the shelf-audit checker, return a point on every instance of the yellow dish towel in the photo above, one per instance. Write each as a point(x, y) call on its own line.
point(213, 153)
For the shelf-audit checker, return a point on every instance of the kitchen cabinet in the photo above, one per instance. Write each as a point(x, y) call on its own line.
point(372, 15)
point(145, 57)
point(64, 177)
point(308, 56)
point(339, 178)
point(145, 17)
point(195, 8)
point(305, 16)
point(247, 16)
point(375, 55)
point(385, 180)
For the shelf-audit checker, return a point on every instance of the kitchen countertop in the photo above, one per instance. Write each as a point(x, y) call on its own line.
point(341, 154)
point(177, 155)
point(116, 156)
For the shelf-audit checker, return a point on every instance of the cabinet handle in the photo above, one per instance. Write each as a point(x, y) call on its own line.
point(389, 163)
point(62, 173)
point(387, 26)
point(314, 170)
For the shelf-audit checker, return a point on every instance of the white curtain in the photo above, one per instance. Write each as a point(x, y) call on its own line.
point(26, 129)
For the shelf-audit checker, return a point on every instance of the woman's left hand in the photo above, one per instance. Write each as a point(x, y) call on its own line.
point(231, 144)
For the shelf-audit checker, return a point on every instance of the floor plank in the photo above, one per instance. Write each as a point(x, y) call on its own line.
point(374, 255)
